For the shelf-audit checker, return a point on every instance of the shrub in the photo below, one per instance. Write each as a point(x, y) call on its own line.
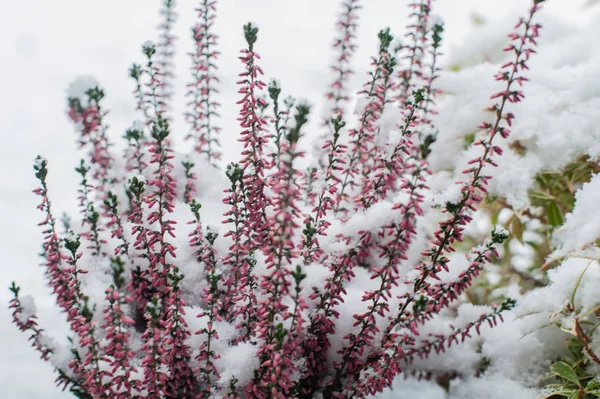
point(308, 292)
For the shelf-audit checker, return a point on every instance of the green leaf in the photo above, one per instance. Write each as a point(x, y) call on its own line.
point(572, 298)
point(595, 392)
point(563, 370)
point(557, 390)
point(592, 384)
point(574, 395)
point(555, 215)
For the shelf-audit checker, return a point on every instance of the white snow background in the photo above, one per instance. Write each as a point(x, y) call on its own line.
point(47, 43)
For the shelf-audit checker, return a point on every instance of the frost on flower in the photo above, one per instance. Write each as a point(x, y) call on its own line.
point(28, 307)
point(39, 162)
point(79, 88)
point(138, 126)
point(499, 233)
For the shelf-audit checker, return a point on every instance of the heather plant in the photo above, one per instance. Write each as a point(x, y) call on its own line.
point(309, 288)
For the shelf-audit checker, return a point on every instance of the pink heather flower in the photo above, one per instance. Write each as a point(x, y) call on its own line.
point(190, 178)
point(389, 167)
point(91, 218)
point(240, 298)
point(344, 46)
point(118, 348)
point(418, 30)
point(26, 320)
point(432, 69)
point(202, 90)
point(155, 361)
point(166, 50)
point(181, 380)
point(211, 297)
point(134, 153)
point(315, 223)
point(162, 273)
point(88, 116)
point(253, 162)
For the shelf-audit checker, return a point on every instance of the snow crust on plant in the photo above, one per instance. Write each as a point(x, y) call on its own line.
point(582, 226)
point(28, 307)
point(78, 88)
point(138, 126)
point(39, 161)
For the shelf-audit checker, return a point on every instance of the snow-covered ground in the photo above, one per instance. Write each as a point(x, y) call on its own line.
point(46, 44)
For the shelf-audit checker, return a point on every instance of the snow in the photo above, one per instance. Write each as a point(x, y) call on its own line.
point(138, 126)
point(79, 87)
point(28, 308)
point(582, 226)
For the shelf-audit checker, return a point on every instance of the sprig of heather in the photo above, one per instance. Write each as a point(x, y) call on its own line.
point(137, 72)
point(139, 285)
point(26, 320)
point(389, 167)
point(280, 350)
point(91, 217)
point(240, 299)
point(88, 117)
point(428, 137)
point(384, 372)
point(80, 318)
point(417, 34)
point(181, 377)
point(441, 294)
point(162, 273)
point(190, 178)
point(118, 347)
point(212, 298)
point(383, 364)
point(166, 50)
point(152, 85)
point(154, 362)
point(115, 224)
point(134, 153)
point(204, 133)
point(58, 278)
point(253, 138)
point(442, 342)
point(345, 46)
point(161, 203)
point(279, 118)
point(315, 224)
point(363, 137)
